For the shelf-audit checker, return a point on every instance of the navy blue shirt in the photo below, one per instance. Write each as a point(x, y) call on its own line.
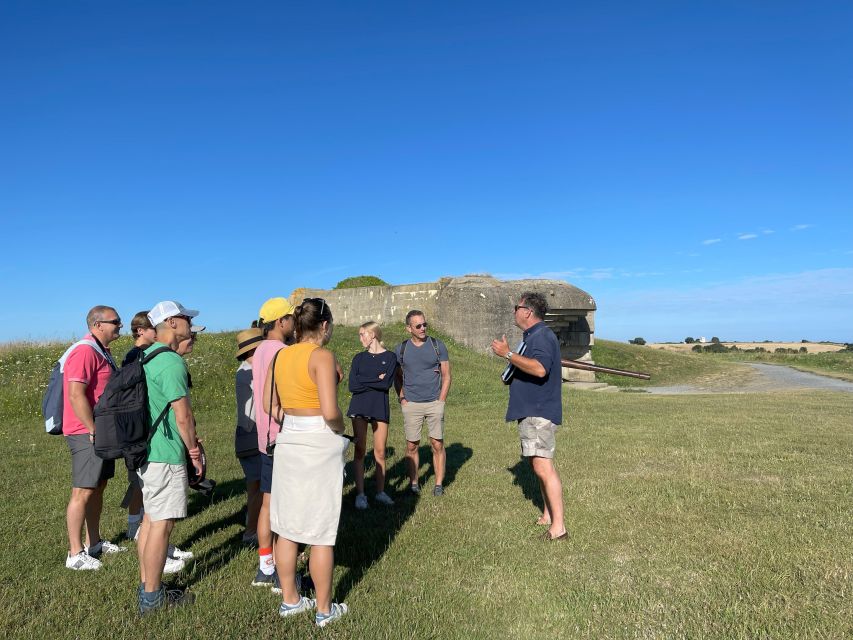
point(532, 397)
point(369, 393)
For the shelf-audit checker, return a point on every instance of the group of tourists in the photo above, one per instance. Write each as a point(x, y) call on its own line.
point(289, 435)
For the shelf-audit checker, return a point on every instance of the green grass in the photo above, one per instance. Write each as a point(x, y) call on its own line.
point(722, 516)
point(665, 367)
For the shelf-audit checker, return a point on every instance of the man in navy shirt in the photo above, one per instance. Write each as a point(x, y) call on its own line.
point(535, 402)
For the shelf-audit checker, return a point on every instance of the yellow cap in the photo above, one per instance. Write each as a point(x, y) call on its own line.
point(273, 309)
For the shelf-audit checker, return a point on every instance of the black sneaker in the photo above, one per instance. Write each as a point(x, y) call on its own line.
point(415, 489)
point(438, 491)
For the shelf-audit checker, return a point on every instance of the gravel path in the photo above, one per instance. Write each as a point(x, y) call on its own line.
point(768, 377)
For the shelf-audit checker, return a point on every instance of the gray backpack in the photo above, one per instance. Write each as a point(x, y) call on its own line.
point(53, 401)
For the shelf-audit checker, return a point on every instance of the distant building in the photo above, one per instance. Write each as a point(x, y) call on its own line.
point(702, 340)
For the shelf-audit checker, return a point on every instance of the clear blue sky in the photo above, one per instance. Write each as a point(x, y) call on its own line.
point(688, 164)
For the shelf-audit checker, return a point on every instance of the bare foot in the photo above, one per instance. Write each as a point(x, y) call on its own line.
point(544, 521)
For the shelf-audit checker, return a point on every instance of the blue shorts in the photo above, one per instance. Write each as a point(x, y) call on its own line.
point(251, 467)
point(266, 473)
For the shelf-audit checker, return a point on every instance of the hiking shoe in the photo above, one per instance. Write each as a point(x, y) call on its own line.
point(383, 498)
point(361, 501)
point(164, 598)
point(438, 491)
point(335, 612)
point(177, 554)
point(264, 580)
point(173, 565)
point(414, 488)
point(104, 546)
point(304, 604)
point(82, 562)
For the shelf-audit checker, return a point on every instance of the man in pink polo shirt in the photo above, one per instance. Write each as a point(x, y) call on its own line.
point(85, 374)
point(276, 321)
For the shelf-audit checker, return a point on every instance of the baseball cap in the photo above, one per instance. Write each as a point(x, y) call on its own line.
point(273, 309)
point(169, 309)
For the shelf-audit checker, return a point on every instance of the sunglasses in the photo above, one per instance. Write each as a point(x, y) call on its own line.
point(422, 325)
point(115, 323)
point(520, 306)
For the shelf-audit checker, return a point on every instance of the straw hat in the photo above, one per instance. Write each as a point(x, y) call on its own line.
point(248, 340)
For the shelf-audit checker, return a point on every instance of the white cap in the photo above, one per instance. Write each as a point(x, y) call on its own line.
point(169, 309)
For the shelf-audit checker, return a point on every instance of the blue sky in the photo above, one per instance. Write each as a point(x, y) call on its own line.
point(687, 164)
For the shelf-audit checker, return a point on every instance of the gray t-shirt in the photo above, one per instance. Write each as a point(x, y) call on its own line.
point(421, 370)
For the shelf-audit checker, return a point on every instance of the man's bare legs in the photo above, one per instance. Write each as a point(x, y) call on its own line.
point(152, 546)
point(413, 459)
point(439, 459)
point(552, 493)
point(84, 506)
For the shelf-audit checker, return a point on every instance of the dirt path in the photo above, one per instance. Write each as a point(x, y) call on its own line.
point(760, 378)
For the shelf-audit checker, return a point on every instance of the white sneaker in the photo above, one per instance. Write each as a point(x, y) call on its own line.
point(335, 612)
point(104, 546)
point(361, 501)
point(82, 562)
point(383, 498)
point(304, 604)
point(176, 554)
point(173, 565)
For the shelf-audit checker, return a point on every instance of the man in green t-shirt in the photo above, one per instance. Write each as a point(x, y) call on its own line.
point(163, 478)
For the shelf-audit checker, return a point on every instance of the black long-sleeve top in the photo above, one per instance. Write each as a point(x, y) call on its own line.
point(369, 393)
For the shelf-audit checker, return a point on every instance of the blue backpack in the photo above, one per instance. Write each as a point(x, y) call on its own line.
point(53, 401)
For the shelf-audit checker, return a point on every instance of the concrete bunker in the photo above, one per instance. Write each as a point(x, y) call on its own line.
point(473, 310)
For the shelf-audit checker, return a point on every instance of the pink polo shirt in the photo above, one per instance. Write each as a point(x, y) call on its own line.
point(85, 365)
point(260, 365)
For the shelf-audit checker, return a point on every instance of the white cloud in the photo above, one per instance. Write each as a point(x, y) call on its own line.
point(711, 241)
point(801, 227)
point(746, 236)
point(767, 232)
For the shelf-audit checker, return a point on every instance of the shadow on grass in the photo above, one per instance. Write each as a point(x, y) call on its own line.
point(524, 477)
point(364, 536)
point(217, 558)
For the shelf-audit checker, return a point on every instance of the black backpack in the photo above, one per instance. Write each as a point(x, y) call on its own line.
point(123, 426)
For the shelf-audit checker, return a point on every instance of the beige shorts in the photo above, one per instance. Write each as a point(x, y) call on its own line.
point(164, 490)
point(537, 437)
point(414, 414)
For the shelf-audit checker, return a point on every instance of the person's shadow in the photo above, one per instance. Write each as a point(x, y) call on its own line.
point(364, 536)
point(524, 477)
point(217, 558)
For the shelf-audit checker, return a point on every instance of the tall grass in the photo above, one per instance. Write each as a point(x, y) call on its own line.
point(690, 517)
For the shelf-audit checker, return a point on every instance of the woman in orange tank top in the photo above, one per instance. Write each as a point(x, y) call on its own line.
point(305, 502)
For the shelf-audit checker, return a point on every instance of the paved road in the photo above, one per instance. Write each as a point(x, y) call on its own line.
point(769, 377)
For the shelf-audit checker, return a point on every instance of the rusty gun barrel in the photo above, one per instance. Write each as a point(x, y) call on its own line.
point(575, 364)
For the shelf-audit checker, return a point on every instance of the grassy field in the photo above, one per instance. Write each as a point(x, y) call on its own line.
point(717, 516)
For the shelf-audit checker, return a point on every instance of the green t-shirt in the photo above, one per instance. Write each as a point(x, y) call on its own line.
point(166, 376)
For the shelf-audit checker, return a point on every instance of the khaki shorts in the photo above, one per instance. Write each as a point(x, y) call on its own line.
point(537, 437)
point(164, 490)
point(414, 414)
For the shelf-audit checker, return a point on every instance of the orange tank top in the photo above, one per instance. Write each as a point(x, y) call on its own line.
point(295, 388)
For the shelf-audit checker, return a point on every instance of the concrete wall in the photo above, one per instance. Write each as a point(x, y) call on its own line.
point(473, 310)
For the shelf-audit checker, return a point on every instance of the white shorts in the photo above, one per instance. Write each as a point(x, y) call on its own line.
point(164, 490)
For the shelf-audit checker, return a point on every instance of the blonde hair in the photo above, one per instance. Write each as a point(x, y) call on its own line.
point(374, 328)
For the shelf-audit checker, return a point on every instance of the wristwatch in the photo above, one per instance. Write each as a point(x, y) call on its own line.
point(509, 355)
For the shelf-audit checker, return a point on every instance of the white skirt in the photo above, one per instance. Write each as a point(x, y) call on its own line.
point(307, 481)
